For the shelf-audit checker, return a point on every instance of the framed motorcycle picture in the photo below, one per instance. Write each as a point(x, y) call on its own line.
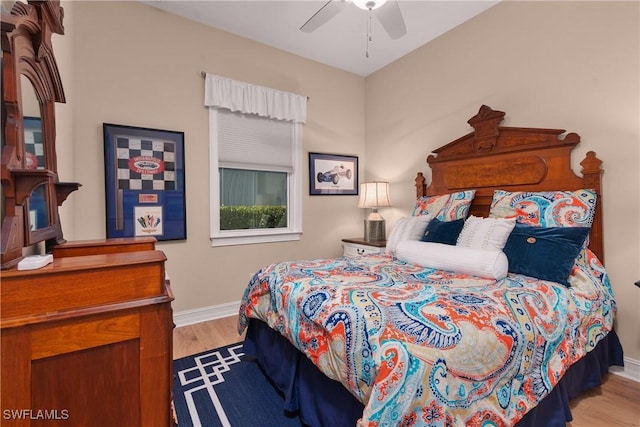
point(333, 174)
point(144, 182)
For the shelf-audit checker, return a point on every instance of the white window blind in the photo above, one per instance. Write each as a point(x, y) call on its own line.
point(250, 142)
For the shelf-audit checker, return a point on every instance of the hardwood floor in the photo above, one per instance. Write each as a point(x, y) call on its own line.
point(203, 336)
point(616, 403)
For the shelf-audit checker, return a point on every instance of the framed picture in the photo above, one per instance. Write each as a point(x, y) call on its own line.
point(144, 182)
point(333, 174)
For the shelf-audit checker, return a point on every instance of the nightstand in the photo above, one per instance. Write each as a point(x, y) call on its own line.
point(357, 246)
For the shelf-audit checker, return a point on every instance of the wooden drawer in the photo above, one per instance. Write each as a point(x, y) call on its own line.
point(353, 249)
point(79, 282)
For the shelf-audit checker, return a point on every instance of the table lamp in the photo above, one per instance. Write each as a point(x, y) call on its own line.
point(374, 195)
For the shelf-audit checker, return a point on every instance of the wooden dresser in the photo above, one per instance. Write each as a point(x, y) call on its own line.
point(87, 340)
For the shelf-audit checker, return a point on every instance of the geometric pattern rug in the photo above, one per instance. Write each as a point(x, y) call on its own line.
point(223, 388)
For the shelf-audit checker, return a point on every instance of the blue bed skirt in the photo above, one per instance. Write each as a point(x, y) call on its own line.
point(322, 402)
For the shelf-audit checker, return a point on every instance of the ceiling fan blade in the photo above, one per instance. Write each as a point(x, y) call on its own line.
point(391, 19)
point(325, 13)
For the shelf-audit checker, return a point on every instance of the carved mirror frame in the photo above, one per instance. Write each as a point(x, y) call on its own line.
point(31, 190)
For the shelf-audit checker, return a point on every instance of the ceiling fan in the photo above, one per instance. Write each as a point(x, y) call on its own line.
point(389, 16)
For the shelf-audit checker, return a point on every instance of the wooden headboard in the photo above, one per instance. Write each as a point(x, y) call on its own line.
point(512, 159)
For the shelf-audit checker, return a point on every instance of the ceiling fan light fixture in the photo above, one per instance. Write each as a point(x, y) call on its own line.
point(369, 4)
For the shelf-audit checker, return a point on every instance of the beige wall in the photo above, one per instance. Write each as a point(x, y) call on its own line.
point(135, 65)
point(65, 142)
point(564, 65)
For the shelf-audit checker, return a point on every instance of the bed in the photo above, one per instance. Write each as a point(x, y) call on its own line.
point(481, 330)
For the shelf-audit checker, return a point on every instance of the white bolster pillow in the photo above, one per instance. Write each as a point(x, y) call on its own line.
point(487, 263)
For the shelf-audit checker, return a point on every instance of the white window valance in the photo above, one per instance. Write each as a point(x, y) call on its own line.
point(247, 98)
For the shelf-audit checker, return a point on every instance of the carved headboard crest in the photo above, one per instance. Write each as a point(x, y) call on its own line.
point(513, 159)
point(486, 124)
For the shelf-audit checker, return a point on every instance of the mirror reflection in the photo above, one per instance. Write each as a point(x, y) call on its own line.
point(32, 123)
point(38, 208)
point(34, 157)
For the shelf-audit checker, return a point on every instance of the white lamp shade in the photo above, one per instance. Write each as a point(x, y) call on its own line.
point(374, 195)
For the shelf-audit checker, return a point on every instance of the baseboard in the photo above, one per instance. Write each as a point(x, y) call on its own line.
point(197, 315)
point(631, 369)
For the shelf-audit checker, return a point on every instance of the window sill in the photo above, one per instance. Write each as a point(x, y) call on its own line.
point(286, 236)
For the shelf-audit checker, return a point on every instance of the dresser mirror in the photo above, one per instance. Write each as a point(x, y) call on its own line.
point(37, 204)
point(38, 208)
point(32, 125)
point(31, 190)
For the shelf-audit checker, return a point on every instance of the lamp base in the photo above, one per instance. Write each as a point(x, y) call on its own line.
point(374, 230)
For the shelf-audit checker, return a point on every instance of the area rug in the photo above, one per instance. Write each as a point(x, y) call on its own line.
point(224, 388)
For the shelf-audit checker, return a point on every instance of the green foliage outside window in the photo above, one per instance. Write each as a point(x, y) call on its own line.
point(245, 217)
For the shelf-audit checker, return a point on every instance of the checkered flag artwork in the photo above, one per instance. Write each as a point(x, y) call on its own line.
point(144, 180)
point(145, 164)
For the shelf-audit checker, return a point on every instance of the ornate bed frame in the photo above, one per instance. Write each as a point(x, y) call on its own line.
point(489, 158)
point(512, 159)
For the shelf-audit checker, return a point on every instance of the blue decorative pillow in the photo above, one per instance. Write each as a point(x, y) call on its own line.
point(546, 253)
point(446, 232)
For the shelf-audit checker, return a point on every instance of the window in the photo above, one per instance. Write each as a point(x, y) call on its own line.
point(256, 173)
point(253, 199)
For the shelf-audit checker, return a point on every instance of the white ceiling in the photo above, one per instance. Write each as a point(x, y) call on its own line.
point(341, 42)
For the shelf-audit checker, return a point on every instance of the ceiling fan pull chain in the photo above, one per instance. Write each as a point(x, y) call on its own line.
point(368, 33)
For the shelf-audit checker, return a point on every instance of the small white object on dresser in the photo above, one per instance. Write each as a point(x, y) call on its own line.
point(357, 247)
point(33, 262)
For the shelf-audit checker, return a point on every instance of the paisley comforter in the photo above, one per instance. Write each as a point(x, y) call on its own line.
point(425, 347)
